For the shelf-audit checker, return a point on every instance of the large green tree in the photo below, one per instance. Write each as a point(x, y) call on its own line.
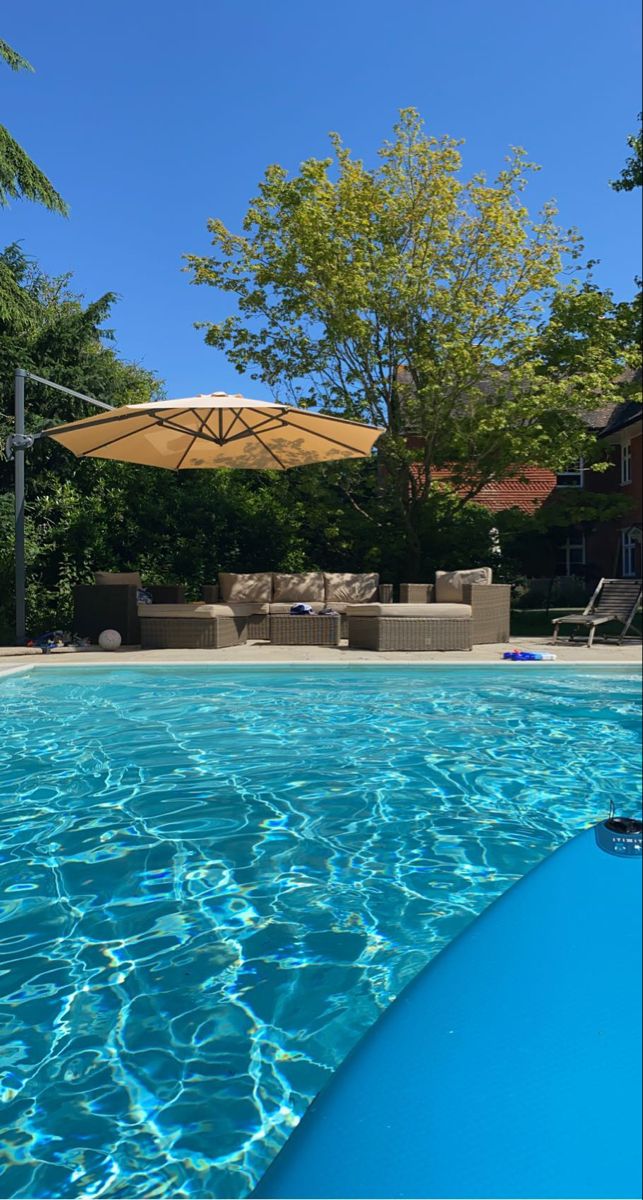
point(424, 302)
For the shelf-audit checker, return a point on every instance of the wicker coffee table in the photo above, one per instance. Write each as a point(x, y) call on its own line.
point(311, 630)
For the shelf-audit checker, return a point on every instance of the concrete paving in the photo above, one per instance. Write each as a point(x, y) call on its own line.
point(257, 653)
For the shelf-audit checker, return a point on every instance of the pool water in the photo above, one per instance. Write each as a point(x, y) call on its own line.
point(213, 880)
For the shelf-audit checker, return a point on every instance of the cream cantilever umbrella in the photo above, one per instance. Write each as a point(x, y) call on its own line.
point(217, 430)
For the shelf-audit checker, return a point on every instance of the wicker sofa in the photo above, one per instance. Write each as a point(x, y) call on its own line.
point(274, 593)
point(490, 603)
point(111, 603)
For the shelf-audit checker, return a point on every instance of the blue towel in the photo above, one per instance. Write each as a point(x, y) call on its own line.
point(301, 610)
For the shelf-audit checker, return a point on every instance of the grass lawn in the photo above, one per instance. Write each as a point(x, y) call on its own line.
point(536, 622)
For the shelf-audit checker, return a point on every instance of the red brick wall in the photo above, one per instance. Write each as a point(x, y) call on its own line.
point(633, 489)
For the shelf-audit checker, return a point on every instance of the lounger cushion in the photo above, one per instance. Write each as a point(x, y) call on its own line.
point(243, 589)
point(351, 589)
point(305, 588)
point(409, 610)
point(129, 578)
point(201, 611)
point(449, 584)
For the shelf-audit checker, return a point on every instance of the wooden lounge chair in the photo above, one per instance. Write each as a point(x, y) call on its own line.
point(613, 600)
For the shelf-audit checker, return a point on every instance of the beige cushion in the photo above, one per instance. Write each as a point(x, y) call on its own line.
point(201, 610)
point(241, 589)
point(409, 610)
point(132, 578)
point(297, 588)
point(449, 584)
point(283, 608)
point(351, 589)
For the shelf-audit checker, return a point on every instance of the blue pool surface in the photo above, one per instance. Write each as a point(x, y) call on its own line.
point(213, 880)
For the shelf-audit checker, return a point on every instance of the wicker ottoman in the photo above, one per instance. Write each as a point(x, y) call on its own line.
point(311, 630)
point(411, 627)
point(190, 627)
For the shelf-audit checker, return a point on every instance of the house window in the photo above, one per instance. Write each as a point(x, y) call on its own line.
point(626, 462)
point(573, 477)
point(571, 555)
point(628, 554)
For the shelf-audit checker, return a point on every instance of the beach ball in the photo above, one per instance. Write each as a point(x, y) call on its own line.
point(109, 639)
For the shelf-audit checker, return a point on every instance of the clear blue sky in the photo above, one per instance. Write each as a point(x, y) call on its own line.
point(150, 116)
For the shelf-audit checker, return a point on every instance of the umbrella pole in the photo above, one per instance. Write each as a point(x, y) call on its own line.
point(19, 484)
point(17, 444)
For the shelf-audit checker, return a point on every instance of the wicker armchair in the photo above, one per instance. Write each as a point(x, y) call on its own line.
point(114, 606)
point(490, 605)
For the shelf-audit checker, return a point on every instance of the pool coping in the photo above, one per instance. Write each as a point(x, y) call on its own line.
point(315, 665)
point(265, 656)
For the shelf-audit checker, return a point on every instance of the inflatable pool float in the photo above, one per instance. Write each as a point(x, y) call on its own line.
point(511, 1066)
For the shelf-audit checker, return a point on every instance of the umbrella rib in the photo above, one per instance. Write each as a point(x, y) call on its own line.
point(166, 422)
point(261, 442)
point(306, 412)
point(226, 437)
point(324, 436)
point(88, 423)
point(235, 415)
point(214, 436)
point(252, 429)
point(163, 422)
point(112, 441)
point(188, 449)
point(114, 417)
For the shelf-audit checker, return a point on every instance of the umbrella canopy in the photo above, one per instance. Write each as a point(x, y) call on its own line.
point(217, 430)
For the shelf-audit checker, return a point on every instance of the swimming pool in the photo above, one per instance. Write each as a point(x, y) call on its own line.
point(213, 879)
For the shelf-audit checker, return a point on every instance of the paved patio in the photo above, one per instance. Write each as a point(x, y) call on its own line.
point(263, 652)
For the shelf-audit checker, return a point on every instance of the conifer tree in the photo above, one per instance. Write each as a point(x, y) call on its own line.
point(20, 178)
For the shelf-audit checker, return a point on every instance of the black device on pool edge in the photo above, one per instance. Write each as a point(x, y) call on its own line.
point(621, 836)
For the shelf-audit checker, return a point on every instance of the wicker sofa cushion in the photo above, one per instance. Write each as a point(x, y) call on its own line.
point(409, 610)
point(130, 578)
point(201, 611)
point(306, 587)
point(449, 584)
point(244, 589)
point(351, 589)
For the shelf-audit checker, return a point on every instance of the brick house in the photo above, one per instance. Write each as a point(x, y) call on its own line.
point(614, 548)
point(618, 545)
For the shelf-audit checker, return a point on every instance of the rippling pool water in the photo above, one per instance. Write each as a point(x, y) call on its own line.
point(213, 879)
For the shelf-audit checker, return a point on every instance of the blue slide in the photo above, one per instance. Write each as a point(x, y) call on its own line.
point(511, 1067)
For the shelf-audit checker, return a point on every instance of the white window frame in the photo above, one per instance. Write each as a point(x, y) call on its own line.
point(626, 463)
point(573, 542)
point(628, 555)
point(575, 471)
